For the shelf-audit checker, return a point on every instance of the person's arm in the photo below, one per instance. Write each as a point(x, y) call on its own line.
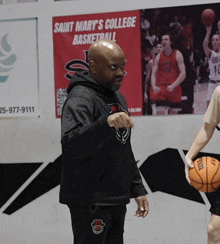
point(153, 75)
point(212, 119)
point(182, 72)
point(148, 70)
point(138, 192)
point(147, 80)
point(137, 188)
point(201, 140)
point(82, 132)
point(206, 48)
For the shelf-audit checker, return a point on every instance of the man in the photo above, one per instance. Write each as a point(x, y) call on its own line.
point(212, 119)
point(167, 75)
point(99, 173)
point(213, 60)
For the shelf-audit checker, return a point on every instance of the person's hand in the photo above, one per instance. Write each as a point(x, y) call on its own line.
point(120, 120)
point(209, 28)
point(188, 165)
point(170, 88)
point(156, 89)
point(143, 206)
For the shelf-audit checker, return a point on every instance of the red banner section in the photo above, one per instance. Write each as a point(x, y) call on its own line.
point(73, 35)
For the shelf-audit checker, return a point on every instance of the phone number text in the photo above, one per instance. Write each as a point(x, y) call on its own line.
point(13, 110)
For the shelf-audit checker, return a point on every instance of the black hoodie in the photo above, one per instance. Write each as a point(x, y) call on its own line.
point(98, 163)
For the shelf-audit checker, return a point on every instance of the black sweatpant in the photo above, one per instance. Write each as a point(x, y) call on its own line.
point(98, 224)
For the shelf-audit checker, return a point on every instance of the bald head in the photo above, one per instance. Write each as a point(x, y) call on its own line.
point(106, 63)
point(102, 49)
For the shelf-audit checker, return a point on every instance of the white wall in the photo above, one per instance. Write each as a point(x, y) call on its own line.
point(171, 220)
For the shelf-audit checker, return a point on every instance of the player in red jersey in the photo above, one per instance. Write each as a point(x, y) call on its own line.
point(167, 75)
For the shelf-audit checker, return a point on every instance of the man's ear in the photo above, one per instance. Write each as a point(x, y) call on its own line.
point(93, 67)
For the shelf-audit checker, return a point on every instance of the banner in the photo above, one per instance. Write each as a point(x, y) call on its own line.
point(73, 35)
point(18, 68)
point(187, 31)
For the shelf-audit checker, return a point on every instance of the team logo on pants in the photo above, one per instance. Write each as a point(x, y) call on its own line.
point(97, 226)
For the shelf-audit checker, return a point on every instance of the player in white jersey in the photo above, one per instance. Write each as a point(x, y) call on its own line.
point(213, 59)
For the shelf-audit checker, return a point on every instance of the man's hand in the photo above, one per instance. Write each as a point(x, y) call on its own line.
point(188, 165)
point(143, 206)
point(156, 89)
point(120, 120)
point(170, 88)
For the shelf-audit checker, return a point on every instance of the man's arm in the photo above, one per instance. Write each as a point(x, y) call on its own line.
point(148, 70)
point(137, 188)
point(138, 192)
point(153, 75)
point(82, 132)
point(147, 80)
point(182, 72)
point(206, 41)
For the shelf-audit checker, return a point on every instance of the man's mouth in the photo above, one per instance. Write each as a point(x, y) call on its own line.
point(118, 81)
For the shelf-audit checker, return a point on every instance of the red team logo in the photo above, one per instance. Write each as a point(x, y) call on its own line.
point(97, 226)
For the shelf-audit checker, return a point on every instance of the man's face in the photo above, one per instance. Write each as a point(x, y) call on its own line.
point(159, 48)
point(166, 41)
point(111, 70)
point(215, 42)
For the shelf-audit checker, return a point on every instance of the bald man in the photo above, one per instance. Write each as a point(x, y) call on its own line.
point(99, 172)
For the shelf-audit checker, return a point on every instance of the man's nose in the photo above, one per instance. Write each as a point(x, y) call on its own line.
point(120, 71)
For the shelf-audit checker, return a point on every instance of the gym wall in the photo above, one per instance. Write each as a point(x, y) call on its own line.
point(30, 147)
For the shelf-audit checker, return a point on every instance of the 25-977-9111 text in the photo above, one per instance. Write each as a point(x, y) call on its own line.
point(18, 109)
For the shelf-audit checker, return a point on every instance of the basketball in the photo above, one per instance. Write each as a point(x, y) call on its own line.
point(205, 175)
point(208, 17)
